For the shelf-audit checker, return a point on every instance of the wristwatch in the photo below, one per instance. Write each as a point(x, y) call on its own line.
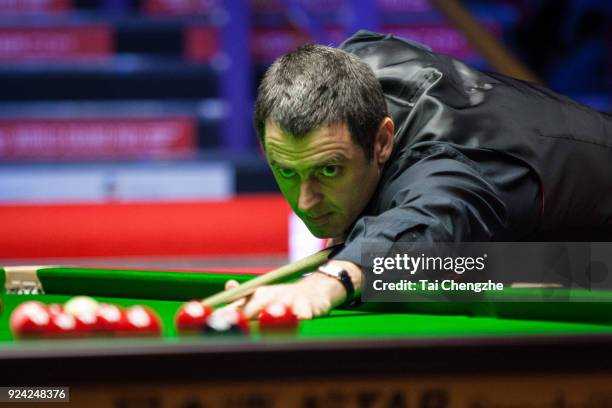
point(340, 274)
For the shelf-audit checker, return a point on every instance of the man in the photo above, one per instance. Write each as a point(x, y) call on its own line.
point(385, 141)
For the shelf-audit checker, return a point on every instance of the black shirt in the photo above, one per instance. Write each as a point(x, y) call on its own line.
point(478, 156)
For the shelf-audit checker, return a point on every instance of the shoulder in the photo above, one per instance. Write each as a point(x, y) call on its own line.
point(407, 69)
point(379, 50)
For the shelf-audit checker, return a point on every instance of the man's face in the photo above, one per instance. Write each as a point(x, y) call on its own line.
point(324, 176)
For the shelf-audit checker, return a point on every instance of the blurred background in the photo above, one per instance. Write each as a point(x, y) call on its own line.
point(125, 125)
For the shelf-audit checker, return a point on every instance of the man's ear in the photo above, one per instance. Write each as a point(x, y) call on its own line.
point(383, 146)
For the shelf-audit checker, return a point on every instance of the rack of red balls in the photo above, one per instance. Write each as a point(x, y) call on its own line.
point(82, 316)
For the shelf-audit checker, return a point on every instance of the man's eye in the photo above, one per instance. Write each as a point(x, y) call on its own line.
point(330, 171)
point(286, 173)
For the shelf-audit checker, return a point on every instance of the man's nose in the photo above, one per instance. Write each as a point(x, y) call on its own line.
point(310, 196)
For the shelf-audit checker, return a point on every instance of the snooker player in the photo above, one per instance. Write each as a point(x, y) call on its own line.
point(385, 141)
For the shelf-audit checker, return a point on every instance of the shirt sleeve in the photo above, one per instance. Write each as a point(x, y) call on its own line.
point(442, 197)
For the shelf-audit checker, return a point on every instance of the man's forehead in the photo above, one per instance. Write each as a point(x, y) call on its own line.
point(275, 129)
point(330, 143)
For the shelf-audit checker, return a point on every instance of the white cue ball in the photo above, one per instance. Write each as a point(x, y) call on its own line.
point(80, 305)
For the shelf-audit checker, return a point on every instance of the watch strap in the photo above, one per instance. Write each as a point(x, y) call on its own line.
point(343, 277)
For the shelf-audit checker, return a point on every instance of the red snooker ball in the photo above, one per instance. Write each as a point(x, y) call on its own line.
point(110, 318)
point(142, 320)
point(63, 324)
point(30, 319)
point(87, 323)
point(191, 316)
point(277, 318)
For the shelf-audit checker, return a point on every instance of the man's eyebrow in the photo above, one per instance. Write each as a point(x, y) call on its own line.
point(331, 159)
point(277, 164)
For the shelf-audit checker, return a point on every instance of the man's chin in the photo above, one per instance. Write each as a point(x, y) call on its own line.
point(323, 232)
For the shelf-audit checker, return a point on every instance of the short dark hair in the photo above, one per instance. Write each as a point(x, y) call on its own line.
point(316, 86)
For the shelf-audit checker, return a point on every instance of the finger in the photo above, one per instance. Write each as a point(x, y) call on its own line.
point(321, 309)
point(231, 284)
point(236, 304)
point(302, 309)
point(261, 298)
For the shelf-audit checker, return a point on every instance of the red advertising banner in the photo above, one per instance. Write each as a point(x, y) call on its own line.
point(109, 138)
point(34, 6)
point(56, 43)
point(207, 228)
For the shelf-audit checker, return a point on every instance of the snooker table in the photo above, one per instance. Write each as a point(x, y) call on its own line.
point(480, 354)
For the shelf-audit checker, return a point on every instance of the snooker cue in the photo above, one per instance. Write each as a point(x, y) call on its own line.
point(498, 56)
point(274, 276)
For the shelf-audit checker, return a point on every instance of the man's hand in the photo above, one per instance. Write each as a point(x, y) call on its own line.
point(311, 296)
